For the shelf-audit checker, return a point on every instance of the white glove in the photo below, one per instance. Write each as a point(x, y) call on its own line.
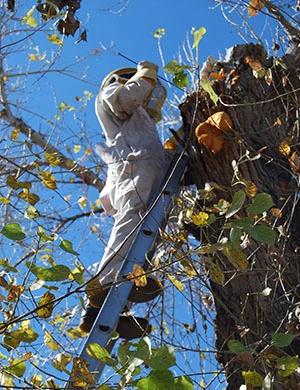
point(146, 69)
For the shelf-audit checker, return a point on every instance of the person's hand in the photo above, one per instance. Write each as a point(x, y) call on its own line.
point(148, 70)
point(147, 64)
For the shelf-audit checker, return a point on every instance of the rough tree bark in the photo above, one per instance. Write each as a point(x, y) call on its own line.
point(265, 113)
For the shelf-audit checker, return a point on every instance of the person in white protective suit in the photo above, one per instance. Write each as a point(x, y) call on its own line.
point(128, 105)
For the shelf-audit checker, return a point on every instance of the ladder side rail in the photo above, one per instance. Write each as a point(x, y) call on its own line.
point(118, 294)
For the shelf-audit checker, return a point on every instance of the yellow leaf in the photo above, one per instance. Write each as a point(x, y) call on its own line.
point(48, 179)
point(216, 274)
point(46, 311)
point(236, 257)
point(60, 361)
point(49, 342)
point(255, 6)
point(29, 19)
point(4, 200)
point(200, 219)
point(76, 148)
point(82, 201)
point(177, 283)
point(32, 57)
point(15, 134)
point(76, 333)
point(12, 182)
point(80, 375)
point(65, 107)
point(277, 213)
point(29, 197)
point(52, 158)
point(137, 276)
point(36, 380)
point(284, 147)
point(251, 189)
point(14, 293)
point(88, 151)
point(54, 38)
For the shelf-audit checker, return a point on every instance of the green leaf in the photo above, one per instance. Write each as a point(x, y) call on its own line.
point(198, 35)
point(143, 350)
point(162, 358)
point(287, 365)
point(173, 67)
point(181, 79)
point(17, 367)
point(242, 223)
point(237, 203)
point(13, 231)
point(261, 203)
point(282, 340)
point(253, 378)
point(6, 266)
point(183, 383)
point(207, 86)
point(235, 346)
point(99, 353)
point(54, 274)
point(45, 237)
point(262, 233)
point(159, 32)
point(60, 361)
point(67, 246)
point(157, 380)
point(235, 235)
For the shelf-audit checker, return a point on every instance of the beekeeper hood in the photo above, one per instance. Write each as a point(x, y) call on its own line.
point(156, 99)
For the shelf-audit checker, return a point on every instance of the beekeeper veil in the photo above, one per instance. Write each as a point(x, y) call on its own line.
point(154, 103)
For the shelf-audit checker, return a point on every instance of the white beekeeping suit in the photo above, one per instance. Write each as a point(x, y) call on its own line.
point(133, 153)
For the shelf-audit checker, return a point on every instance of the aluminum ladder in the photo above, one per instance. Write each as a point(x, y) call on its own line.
point(148, 232)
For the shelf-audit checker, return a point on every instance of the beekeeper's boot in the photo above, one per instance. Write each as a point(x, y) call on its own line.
point(129, 327)
point(96, 294)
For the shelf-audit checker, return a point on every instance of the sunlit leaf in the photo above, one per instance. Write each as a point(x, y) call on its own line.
point(60, 361)
point(67, 246)
point(53, 274)
point(46, 311)
point(99, 353)
point(25, 333)
point(183, 383)
point(181, 79)
point(29, 197)
point(14, 135)
point(13, 231)
point(282, 340)
point(251, 189)
point(52, 158)
point(50, 342)
point(44, 236)
point(76, 333)
point(137, 276)
point(77, 274)
point(159, 33)
point(54, 38)
point(287, 365)
point(36, 380)
point(15, 292)
point(80, 375)
point(4, 200)
point(29, 18)
point(255, 6)
point(253, 378)
point(48, 179)
point(174, 67)
point(82, 201)
point(198, 35)
point(65, 107)
point(4, 264)
point(200, 219)
point(177, 283)
point(12, 182)
point(157, 380)
point(285, 147)
point(162, 358)
point(17, 367)
point(31, 213)
point(207, 85)
point(236, 204)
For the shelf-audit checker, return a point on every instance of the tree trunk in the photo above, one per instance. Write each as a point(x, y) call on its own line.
point(265, 113)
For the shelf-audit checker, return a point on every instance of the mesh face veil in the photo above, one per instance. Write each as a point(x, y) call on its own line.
point(155, 101)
